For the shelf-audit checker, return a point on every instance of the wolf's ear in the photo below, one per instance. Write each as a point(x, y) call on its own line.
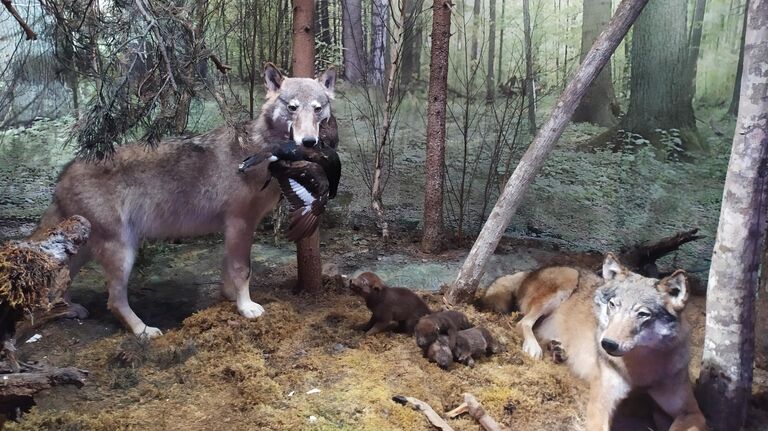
point(328, 80)
point(675, 290)
point(273, 79)
point(612, 268)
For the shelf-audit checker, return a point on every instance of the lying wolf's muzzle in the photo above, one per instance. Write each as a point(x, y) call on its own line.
point(611, 347)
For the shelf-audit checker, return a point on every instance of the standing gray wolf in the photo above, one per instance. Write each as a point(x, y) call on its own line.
point(388, 304)
point(189, 187)
point(621, 333)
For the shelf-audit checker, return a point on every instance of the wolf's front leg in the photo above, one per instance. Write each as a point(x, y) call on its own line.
point(236, 274)
point(677, 400)
point(606, 390)
point(117, 257)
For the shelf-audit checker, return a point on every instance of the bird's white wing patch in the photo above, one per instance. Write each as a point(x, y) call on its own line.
point(301, 192)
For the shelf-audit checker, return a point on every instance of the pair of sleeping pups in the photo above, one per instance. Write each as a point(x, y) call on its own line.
point(443, 336)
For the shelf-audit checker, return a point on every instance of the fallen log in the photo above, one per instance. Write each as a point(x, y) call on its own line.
point(642, 258)
point(476, 410)
point(28, 383)
point(425, 408)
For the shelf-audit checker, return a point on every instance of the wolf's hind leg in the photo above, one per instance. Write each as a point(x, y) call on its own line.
point(117, 257)
point(236, 275)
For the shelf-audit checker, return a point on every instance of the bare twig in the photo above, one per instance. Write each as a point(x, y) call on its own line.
point(476, 410)
point(31, 35)
point(223, 68)
point(160, 40)
point(425, 408)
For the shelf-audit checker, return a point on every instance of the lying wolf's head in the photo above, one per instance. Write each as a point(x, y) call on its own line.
point(635, 311)
point(296, 106)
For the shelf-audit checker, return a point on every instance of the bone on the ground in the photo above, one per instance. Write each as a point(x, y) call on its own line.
point(476, 410)
point(425, 408)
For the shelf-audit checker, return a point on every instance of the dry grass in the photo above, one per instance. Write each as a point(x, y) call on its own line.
point(25, 276)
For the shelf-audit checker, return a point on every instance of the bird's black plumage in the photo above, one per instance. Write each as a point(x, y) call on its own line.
point(308, 177)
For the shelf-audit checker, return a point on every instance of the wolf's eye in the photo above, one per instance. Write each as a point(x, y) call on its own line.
point(611, 304)
point(293, 108)
point(318, 109)
point(643, 314)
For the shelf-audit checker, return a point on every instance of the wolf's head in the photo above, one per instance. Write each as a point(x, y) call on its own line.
point(635, 311)
point(296, 106)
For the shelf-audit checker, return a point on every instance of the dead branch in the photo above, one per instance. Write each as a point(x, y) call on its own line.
point(642, 257)
point(30, 382)
point(31, 35)
point(476, 410)
point(425, 408)
point(223, 68)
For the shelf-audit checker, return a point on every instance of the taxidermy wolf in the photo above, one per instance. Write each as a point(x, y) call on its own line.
point(188, 187)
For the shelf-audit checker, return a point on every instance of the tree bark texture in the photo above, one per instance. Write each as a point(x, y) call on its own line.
point(379, 20)
point(501, 42)
point(352, 38)
point(694, 43)
point(490, 83)
point(303, 63)
point(412, 35)
point(473, 268)
point(436, 105)
point(599, 105)
point(734, 107)
point(659, 89)
point(529, 84)
point(476, 25)
point(308, 249)
point(323, 23)
point(725, 382)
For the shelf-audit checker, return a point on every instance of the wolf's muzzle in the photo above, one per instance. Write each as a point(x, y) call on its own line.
point(611, 347)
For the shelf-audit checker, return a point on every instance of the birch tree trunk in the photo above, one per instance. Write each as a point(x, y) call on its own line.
point(352, 39)
point(436, 104)
point(307, 249)
point(529, 84)
point(379, 20)
point(472, 270)
point(598, 104)
point(725, 382)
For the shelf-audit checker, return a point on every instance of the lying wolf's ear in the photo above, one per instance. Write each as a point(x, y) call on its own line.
point(675, 290)
point(273, 79)
point(328, 80)
point(612, 268)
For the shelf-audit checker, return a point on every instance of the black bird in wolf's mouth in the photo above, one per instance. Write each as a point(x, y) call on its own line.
point(308, 177)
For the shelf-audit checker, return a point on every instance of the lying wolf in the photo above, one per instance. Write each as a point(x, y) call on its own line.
point(621, 333)
point(189, 187)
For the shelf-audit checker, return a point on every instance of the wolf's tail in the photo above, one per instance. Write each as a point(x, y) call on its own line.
point(500, 295)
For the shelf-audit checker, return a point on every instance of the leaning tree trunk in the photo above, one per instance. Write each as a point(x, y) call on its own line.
point(473, 268)
point(599, 104)
point(660, 96)
point(734, 106)
point(436, 104)
point(307, 249)
point(352, 39)
point(490, 85)
point(379, 19)
point(725, 382)
point(529, 84)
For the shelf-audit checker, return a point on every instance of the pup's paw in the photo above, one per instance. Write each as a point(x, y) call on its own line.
point(147, 332)
point(557, 351)
point(533, 349)
point(250, 309)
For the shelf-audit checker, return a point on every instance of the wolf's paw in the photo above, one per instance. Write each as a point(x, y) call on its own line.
point(557, 351)
point(250, 310)
point(533, 349)
point(147, 332)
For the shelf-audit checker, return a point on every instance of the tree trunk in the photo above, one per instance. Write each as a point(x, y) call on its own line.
point(307, 249)
point(490, 85)
point(501, 42)
point(352, 35)
point(379, 20)
point(694, 43)
point(529, 84)
point(599, 104)
point(659, 97)
point(725, 382)
point(473, 268)
point(323, 23)
point(436, 104)
point(733, 108)
point(412, 35)
point(475, 52)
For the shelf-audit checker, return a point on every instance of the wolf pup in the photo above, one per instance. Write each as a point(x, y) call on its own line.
point(449, 323)
point(622, 333)
point(388, 304)
point(440, 353)
point(189, 187)
point(472, 343)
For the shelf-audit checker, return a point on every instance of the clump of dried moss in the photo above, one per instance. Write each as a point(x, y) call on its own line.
point(25, 276)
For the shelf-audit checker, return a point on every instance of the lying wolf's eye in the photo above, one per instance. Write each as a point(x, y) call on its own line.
point(643, 314)
point(611, 304)
point(293, 108)
point(318, 109)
